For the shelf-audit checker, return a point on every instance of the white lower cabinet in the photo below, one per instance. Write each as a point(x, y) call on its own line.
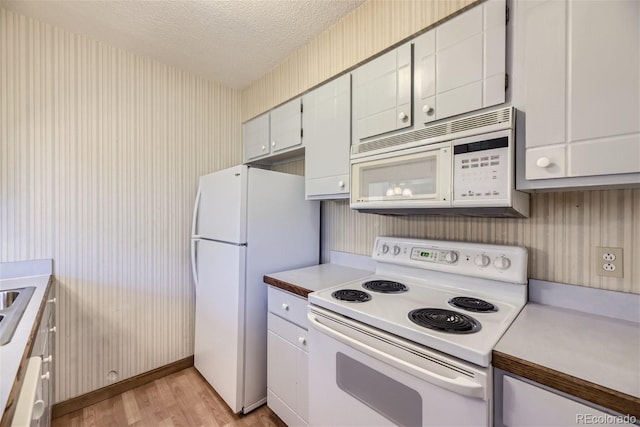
point(525, 404)
point(287, 358)
point(34, 404)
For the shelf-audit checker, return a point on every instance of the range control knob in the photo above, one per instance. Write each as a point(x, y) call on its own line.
point(482, 260)
point(385, 248)
point(502, 263)
point(450, 257)
point(396, 249)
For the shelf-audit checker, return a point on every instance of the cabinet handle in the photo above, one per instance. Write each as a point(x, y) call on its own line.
point(427, 109)
point(38, 409)
point(302, 340)
point(285, 307)
point(53, 330)
point(543, 162)
point(403, 116)
point(46, 376)
point(47, 359)
point(264, 148)
point(273, 144)
point(341, 184)
point(52, 300)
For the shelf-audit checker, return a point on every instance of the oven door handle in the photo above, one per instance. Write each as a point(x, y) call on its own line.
point(458, 384)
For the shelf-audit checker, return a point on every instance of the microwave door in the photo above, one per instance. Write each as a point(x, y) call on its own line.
point(419, 177)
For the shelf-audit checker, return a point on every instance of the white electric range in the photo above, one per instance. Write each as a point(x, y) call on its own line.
point(411, 345)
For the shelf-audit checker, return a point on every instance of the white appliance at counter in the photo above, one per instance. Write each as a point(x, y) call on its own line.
point(464, 166)
point(246, 222)
point(411, 345)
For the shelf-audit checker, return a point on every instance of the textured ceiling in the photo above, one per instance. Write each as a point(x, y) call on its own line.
point(231, 41)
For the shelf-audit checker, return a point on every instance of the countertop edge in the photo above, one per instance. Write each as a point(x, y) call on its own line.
point(286, 286)
point(10, 407)
point(595, 393)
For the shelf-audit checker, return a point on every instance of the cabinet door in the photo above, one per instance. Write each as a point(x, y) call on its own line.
point(286, 126)
point(545, 42)
point(582, 106)
point(287, 369)
point(255, 135)
point(605, 87)
point(302, 385)
point(382, 94)
point(282, 358)
point(460, 65)
point(527, 405)
point(327, 132)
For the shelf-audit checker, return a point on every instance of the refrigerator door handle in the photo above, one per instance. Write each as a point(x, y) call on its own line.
point(194, 239)
point(196, 206)
point(194, 258)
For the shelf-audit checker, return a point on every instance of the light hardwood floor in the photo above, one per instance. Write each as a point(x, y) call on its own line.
point(180, 399)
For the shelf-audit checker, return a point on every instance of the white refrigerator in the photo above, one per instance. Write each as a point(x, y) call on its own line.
point(247, 222)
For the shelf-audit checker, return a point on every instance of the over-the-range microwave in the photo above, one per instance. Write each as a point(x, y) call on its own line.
point(460, 167)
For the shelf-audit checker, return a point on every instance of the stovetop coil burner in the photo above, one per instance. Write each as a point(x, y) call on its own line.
point(385, 286)
point(444, 320)
point(351, 295)
point(473, 304)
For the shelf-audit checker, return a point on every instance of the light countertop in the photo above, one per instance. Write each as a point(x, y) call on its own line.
point(580, 341)
point(598, 349)
point(11, 354)
point(303, 281)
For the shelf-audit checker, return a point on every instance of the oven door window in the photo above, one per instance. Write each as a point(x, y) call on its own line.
point(417, 176)
point(388, 397)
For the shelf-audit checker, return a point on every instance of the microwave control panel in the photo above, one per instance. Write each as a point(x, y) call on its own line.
point(481, 174)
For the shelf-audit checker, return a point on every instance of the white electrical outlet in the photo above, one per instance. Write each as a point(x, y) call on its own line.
point(608, 261)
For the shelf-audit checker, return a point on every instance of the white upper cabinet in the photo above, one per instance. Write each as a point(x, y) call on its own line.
point(275, 132)
point(286, 126)
point(581, 87)
point(327, 133)
point(382, 94)
point(255, 135)
point(460, 65)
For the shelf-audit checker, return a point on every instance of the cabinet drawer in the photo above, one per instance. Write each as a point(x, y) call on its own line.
point(288, 306)
point(288, 331)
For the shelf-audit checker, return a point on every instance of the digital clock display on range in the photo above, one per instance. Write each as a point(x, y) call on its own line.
point(424, 254)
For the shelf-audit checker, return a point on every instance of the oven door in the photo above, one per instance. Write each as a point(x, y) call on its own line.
point(360, 376)
point(408, 178)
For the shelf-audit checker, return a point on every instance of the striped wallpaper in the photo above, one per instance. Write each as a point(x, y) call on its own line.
point(100, 152)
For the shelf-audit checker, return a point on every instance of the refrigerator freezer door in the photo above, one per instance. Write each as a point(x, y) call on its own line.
point(222, 206)
point(219, 324)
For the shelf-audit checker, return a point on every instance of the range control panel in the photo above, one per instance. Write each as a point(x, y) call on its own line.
point(498, 262)
point(433, 255)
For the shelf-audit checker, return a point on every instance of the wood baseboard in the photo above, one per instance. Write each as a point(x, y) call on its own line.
point(71, 405)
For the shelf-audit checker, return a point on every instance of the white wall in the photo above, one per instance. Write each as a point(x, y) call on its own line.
point(100, 151)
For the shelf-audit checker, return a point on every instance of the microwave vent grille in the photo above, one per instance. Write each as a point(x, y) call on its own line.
point(443, 129)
